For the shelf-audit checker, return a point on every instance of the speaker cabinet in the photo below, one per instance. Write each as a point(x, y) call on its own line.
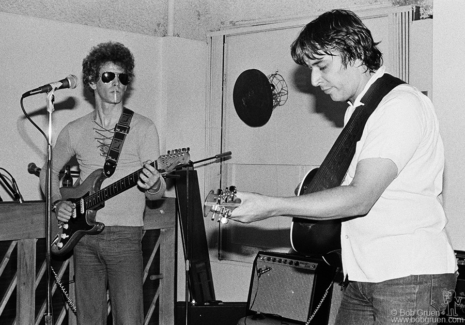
point(291, 287)
point(455, 313)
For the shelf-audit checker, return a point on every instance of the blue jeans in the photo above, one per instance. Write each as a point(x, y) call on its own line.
point(415, 299)
point(110, 260)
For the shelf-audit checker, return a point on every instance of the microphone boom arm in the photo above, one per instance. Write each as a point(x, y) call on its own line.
point(219, 156)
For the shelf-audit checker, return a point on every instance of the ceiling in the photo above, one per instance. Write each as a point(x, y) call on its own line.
point(191, 19)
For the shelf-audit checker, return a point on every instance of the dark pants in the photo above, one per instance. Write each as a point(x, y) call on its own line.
point(415, 299)
point(110, 260)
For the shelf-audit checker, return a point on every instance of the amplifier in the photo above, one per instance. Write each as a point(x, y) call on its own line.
point(291, 287)
point(455, 312)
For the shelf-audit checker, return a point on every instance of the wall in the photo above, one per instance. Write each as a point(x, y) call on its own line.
point(183, 18)
point(421, 55)
point(448, 87)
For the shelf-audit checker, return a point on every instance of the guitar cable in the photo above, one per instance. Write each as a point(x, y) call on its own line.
point(69, 301)
point(320, 303)
point(324, 296)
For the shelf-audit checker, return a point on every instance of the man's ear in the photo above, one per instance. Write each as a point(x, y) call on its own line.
point(92, 85)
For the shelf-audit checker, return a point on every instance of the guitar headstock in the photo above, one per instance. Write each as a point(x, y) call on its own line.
point(174, 158)
point(219, 205)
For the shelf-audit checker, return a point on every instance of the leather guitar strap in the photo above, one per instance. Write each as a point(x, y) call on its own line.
point(334, 167)
point(121, 130)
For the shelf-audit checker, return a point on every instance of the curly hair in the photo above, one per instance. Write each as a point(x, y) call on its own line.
point(102, 53)
point(338, 31)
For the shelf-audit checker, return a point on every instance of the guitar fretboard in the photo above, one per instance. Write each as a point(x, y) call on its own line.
point(112, 190)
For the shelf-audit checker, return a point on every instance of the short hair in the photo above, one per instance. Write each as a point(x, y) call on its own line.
point(102, 53)
point(337, 31)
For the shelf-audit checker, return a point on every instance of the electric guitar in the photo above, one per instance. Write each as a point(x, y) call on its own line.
point(219, 206)
point(89, 198)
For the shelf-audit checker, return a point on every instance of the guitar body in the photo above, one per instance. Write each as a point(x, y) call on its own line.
point(314, 237)
point(83, 221)
point(89, 198)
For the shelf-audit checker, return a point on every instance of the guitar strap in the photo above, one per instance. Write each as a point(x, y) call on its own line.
point(121, 130)
point(323, 237)
point(334, 167)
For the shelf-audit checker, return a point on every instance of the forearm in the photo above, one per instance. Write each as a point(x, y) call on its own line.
point(54, 183)
point(335, 203)
point(373, 176)
point(157, 190)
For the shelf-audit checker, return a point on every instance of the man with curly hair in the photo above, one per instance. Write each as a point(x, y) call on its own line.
point(112, 259)
point(396, 255)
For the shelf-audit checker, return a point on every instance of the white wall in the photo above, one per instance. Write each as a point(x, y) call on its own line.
point(448, 88)
point(421, 55)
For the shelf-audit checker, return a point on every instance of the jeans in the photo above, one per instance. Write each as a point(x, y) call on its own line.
point(110, 260)
point(415, 299)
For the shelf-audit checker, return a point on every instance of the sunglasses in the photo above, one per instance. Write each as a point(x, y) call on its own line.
point(109, 76)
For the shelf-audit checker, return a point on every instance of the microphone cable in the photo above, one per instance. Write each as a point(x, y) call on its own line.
point(11, 185)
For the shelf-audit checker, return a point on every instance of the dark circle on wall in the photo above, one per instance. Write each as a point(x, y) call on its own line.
point(253, 98)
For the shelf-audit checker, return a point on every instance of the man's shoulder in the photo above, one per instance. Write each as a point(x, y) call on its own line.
point(81, 121)
point(86, 117)
point(141, 120)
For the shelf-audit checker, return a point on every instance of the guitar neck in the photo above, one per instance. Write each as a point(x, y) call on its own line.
point(113, 189)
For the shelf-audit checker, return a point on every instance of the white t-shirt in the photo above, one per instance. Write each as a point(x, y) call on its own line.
point(403, 234)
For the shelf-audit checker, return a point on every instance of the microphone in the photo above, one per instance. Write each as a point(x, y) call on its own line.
point(69, 82)
point(33, 169)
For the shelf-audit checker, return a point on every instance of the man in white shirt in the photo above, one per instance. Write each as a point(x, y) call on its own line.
point(395, 252)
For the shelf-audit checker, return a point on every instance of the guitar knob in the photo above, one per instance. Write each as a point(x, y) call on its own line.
point(233, 189)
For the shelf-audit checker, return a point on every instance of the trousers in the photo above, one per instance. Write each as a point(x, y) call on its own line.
point(109, 268)
point(415, 299)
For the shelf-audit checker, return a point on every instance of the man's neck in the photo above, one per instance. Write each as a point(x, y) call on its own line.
point(365, 79)
point(107, 115)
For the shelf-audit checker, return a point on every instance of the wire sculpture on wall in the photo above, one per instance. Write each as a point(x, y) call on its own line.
point(279, 89)
point(255, 96)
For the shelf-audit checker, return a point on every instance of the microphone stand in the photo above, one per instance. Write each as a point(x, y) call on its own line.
point(48, 196)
